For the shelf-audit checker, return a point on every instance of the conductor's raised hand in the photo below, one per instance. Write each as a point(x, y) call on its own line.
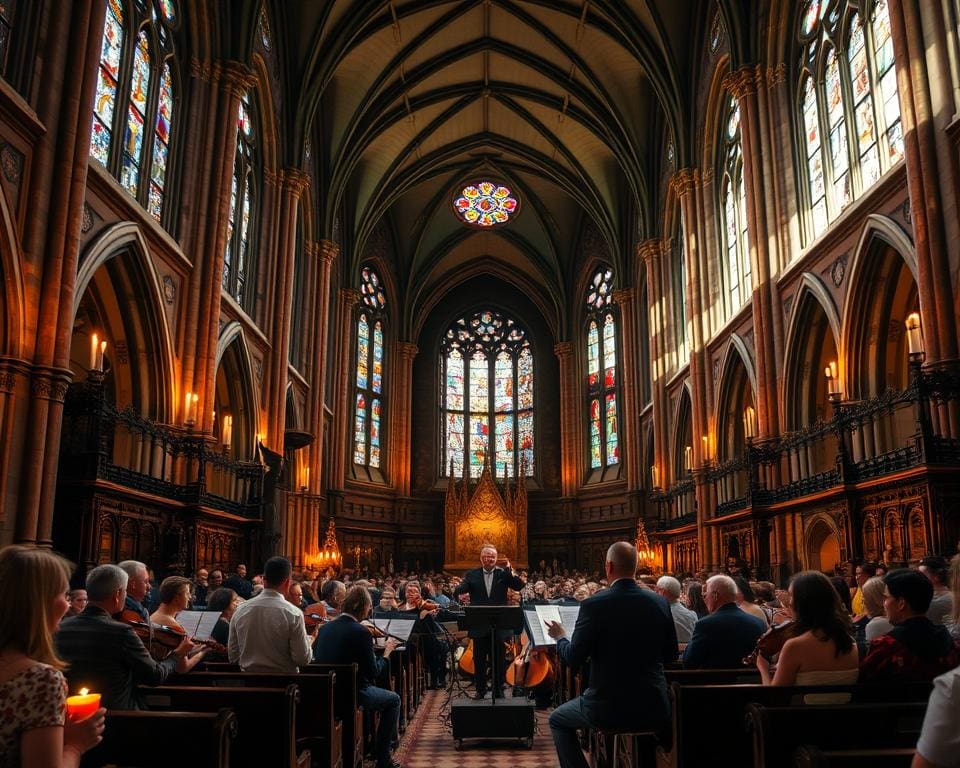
point(555, 629)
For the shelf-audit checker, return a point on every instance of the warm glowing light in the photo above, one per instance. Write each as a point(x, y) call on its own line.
point(833, 380)
point(749, 422)
point(654, 475)
point(226, 434)
point(914, 334)
point(94, 346)
point(83, 705)
point(190, 408)
point(688, 458)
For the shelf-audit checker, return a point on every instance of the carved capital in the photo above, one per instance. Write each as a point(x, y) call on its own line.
point(8, 381)
point(741, 82)
point(776, 76)
point(50, 383)
point(295, 180)
point(270, 179)
point(624, 296)
point(329, 250)
point(563, 350)
point(236, 77)
point(684, 181)
point(350, 296)
point(650, 249)
point(707, 175)
point(201, 70)
point(407, 350)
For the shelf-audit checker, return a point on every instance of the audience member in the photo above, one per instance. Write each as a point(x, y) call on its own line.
point(35, 729)
point(722, 639)
point(862, 572)
point(694, 599)
point(201, 587)
point(138, 585)
point(939, 744)
point(683, 617)
point(77, 598)
point(937, 570)
point(239, 583)
point(843, 592)
point(224, 600)
point(915, 649)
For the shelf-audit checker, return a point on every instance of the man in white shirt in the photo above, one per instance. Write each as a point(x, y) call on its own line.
point(683, 617)
point(267, 633)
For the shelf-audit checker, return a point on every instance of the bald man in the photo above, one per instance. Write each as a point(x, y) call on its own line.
point(628, 634)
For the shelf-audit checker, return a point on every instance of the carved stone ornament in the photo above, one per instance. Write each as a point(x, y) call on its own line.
point(169, 289)
point(86, 219)
point(838, 270)
point(11, 161)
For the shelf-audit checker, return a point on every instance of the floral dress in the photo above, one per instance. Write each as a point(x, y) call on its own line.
point(33, 698)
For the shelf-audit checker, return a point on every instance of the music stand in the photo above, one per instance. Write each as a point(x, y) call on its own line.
point(490, 619)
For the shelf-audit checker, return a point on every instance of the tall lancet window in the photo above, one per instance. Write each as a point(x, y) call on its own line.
point(603, 379)
point(238, 256)
point(733, 200)
point(136, 96)
point(847, 96)
point(368, 401)
point(486, 405)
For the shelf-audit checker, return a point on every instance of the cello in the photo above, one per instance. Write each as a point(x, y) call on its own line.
point(531, 667)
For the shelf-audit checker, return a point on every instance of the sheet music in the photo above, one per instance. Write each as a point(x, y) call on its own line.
point(398, 628)
point(537, 617)
point(198, 624)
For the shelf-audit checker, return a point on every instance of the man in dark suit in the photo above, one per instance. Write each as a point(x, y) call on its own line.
point(487, 585)
point(722, 639)
point(106, 655)
point(628, 634)
point(345, 641)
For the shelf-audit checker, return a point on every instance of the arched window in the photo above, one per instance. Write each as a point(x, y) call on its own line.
point(8, 10)
point(733, 200)
point(368, 411)
point(478, 419)
point(243, 198)
point(848, 94)
point(136, 96)
point(602, 377)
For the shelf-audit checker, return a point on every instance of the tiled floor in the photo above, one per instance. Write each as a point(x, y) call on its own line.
point(428, 743)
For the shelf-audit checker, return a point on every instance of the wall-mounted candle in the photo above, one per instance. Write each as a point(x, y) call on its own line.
point(305, 479)
point(103, 350)
point(226, 435)
point(914, 336)
point(84, 704)
point(94, 346)
point(190, 408)
point(688, 458)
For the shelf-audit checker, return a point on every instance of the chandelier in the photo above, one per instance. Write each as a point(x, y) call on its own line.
point(646, 555)
point(329, 554)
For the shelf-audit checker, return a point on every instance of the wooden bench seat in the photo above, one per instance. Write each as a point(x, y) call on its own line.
point(129, 738)
point(809, 756)
point(317, 726)
point(266, 720)
point(778, 731)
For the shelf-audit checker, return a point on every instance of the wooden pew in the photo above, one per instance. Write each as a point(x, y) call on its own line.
point(736, 676)
point(346, 708)
point(317, 726)
point(266, 720)
point(778, 731)
point(707, 715)
point(809, 756)
point(203, 739)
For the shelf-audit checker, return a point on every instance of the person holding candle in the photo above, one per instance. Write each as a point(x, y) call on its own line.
point(106, 654)
point(40, 725)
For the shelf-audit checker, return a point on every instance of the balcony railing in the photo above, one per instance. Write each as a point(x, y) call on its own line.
point(119, 445)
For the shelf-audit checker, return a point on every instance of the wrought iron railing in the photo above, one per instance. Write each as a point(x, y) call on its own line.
point(121, 446)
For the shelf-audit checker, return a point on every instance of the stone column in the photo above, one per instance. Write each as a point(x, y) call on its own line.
point(570, 429)
point(400, 404)
point(927, 198)
point(743, 85)
point(629, 388)
point(649, 252)
point(325, 252)
point(55, 189)
point(343, 402)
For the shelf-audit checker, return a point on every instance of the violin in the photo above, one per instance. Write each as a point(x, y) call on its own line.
point(772, 641)
point(168, 637)
point(314, 615)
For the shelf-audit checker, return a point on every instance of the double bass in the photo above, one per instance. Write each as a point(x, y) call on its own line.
point(530, 667)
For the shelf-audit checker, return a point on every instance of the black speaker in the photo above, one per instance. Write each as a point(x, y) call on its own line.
point(484, 719)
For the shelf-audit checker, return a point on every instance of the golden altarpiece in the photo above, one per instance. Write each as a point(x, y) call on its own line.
point(485, 516)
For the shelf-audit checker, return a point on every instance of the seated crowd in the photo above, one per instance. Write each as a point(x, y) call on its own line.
point(891, 627)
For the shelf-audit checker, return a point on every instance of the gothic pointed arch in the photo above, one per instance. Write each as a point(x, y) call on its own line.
point(822, 543)
point(735, 395)
point(235, 394)
point(681, 455)
point(119, 297)
point(12, 316)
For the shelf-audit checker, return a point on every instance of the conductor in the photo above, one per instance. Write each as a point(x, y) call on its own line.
point(487, 585)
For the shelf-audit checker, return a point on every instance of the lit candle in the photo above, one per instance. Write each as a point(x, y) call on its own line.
point(655, 475)
point(306, 478)
point(227, 434)
point(81, 706)
point(914, 337)
point(687, 457)
point(103, 349)
point(94, 346)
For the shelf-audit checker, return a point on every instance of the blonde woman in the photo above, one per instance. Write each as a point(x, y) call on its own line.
point(35, 730)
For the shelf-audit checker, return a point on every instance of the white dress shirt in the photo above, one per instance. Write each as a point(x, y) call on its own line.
point(267, 634)
point(488, 581)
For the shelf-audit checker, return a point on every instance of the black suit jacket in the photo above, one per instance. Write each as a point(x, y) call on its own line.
point(722, 639)
point(108, 657)
point(628, 634)
point(345, 641)
point(474, 585)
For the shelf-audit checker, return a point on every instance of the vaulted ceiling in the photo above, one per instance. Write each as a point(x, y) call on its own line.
point(564, 101)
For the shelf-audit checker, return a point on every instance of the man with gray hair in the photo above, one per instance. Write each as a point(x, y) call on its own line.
point(138, 584)
point(722, 639)
point(106, 655)
point(683, 617)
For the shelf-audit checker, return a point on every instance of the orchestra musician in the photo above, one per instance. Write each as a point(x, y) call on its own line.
point(487, 585)
point(174, 597)
point(428, 631)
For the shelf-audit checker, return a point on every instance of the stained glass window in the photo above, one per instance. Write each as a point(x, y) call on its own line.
point(243, 203)
point(486, 377)
point(485, 204)
point(848, 94)
point(138, 48)
point(8, 9)
point(369, 377)
point(602, 375)
point(734, 201)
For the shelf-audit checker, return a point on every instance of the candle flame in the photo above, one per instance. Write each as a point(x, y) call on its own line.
point(83, 691)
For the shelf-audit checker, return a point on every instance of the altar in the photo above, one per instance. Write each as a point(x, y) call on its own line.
point(488, 515)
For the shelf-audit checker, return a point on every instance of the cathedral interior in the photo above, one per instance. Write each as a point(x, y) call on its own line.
point(385, 279)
